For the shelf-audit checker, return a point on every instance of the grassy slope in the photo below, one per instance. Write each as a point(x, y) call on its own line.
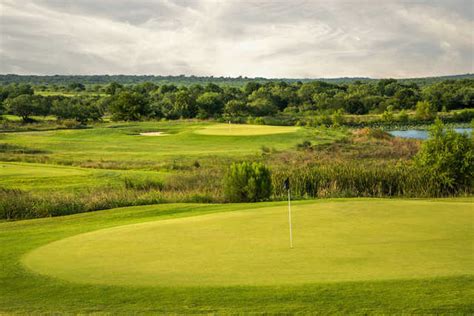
point(121, 142)
point(21, 291)
point(47, 178)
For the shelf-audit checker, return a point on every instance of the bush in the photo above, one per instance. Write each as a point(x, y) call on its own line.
point(449, 158)
point(305, 145)
point(247, 182)
point(425, 110)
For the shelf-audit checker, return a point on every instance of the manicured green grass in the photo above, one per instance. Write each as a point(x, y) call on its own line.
point(121, 142)
point(420, 262)
point(245, 130)
point(47, 178)
point(333, 242)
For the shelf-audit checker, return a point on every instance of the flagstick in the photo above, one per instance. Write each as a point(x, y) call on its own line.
point(289, 219)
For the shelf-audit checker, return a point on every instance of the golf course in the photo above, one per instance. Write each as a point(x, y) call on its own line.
point(226, 157)
point(135, 246)
point(230, 215)
point(350, 255)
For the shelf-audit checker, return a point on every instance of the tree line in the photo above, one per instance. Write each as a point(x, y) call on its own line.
point(148, 100)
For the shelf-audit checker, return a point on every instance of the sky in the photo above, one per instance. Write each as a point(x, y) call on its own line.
point(273, 39)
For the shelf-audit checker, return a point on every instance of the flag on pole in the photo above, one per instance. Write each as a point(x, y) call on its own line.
point(286, 185)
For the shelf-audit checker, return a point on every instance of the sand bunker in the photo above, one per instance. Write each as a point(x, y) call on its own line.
point(153, 134)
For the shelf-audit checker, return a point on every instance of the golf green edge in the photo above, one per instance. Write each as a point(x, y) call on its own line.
point(26, 292)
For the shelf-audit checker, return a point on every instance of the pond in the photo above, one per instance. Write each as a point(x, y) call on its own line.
point(422, 134)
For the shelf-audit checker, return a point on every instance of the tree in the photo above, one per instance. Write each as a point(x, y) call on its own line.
point(129, 106)
point(76, 86)
point(448, 158)
point(23, 105)
point(406, 98)
point(236, 108)
point(262, 107)
point(78, 109)
point(184, 104)
point(113, 88)
point(248, 182)
point(425, 110)
point(250, 87)
point(353, 105)
point(209, 104)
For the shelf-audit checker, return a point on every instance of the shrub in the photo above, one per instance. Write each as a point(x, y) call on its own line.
point(387, 115)
point(403, 117)
point(425, 110)
point(338, 118)
point(305, 145)
point(247, 182)
point(448, 157)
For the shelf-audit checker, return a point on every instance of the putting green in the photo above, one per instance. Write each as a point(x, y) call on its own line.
point(245, 130)
point(333, 241)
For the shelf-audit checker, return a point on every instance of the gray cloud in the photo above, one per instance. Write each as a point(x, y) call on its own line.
point(237, 37)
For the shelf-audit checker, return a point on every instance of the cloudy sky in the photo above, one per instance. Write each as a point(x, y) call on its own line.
point(290, 38)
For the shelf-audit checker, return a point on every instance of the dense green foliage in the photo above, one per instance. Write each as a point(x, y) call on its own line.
point(248, 182)
point(448, 157)
point(65, 80)
point(288, 102)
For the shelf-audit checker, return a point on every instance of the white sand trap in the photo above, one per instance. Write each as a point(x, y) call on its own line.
point(153, 134)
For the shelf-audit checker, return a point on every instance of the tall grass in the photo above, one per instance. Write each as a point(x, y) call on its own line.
point(355, 180)
point(341, 179)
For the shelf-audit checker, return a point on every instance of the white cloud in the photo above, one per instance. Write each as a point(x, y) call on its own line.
point(232, 38)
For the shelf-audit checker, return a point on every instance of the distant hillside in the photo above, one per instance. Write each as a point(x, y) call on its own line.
point(189, 80)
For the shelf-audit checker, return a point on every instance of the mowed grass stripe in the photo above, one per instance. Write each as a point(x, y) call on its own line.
point(46, 177)
point(334, 242)
point(245, 130)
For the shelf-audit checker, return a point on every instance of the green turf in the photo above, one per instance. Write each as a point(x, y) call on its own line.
point(46, 178)
point(333, 242)
point(245, 130)
point(121, 142)
point(23, 291)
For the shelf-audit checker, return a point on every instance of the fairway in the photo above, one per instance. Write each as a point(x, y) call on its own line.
point(334, 242)
point(49, 178)
point(245, 130)
point(123, 145)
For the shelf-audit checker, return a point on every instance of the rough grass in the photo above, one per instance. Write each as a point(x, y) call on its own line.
point(27, 293)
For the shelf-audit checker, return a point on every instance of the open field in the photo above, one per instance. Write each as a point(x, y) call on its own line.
point(385, 256)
